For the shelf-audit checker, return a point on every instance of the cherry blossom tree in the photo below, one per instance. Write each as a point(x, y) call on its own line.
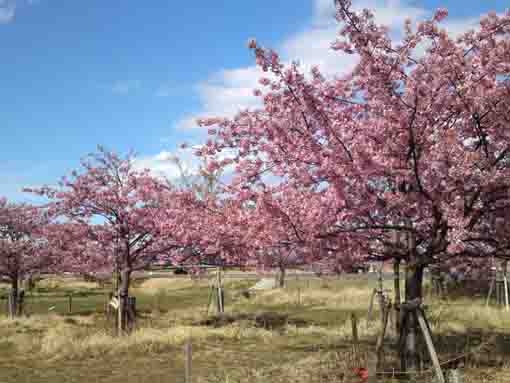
point(414, 140)
point(23, 249)
point(119, 210)
point(284, 228)
point(79, 250)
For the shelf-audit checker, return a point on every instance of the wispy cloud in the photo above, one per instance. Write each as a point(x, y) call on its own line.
point(7, 11)
point(230, 90)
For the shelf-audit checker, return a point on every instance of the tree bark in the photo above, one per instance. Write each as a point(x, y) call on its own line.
point(413, 293)
point(123, 318)
point(413, 298)
point(116, 279)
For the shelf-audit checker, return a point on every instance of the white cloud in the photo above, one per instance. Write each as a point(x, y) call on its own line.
point(324, 11)
point(225, 93)
point(393, 13)
point(312, 45)
point(228, 91)
point(161, 165)
point(7, 11)
point(231, 90)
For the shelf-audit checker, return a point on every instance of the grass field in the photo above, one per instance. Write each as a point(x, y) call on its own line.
point(298, 334)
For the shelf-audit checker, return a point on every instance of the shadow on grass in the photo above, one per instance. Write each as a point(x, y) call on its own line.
point(266, 320)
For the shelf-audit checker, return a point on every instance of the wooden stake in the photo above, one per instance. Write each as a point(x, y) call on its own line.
point(187, 359)
point(430, 346)
point(210, 299)
point(221, 308)
point(380, 292)
point(11, 304)
point(498, 292)
point(70, 304)
point(375, 358)
point(491, 287)
point(396, 286)
point(370, 307)
point(372, 369)
point(378, 347)
point(505, 285)
point(355, 340)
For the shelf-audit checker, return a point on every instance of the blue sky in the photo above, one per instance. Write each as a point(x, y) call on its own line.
point(134, 74)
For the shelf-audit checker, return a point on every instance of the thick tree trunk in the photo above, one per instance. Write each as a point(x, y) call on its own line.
point(116, 279)
point(123, 317)
point(413, 295)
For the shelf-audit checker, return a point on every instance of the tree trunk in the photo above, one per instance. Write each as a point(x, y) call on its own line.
point(413, 293)
point(116, 280)
point(281, 277)
point(123, 321)
point(15, 299)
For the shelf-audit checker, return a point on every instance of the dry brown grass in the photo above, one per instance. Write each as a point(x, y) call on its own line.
point(66, 341)
point(55, 283)
point(346, 299)
point(241, 351)
point(156, 285)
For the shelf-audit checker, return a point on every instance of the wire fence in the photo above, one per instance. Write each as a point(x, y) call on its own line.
point(332, 362)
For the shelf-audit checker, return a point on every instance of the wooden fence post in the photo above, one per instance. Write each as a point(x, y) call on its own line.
point(70, 304)
point(355, 339)
point(187, 361)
